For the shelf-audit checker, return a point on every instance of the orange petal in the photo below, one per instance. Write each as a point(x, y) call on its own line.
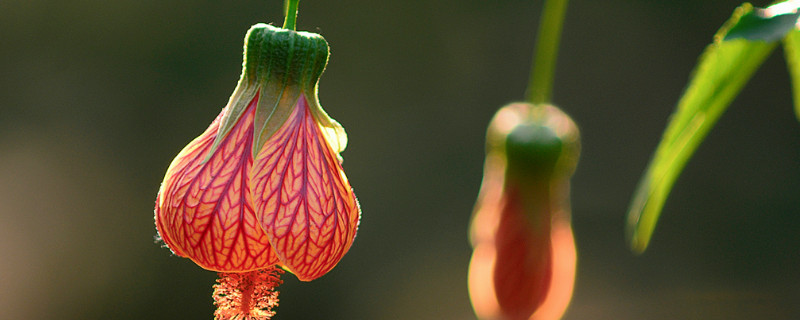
point(563, 282)
point(520, 272)
point(204, 210)
point(482, 288)
point(302, 197)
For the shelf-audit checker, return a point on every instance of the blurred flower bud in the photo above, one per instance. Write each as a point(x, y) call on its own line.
point(523, 265)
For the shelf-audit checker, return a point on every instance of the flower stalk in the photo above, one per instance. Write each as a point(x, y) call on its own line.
point(290, 19)
point(540, 84)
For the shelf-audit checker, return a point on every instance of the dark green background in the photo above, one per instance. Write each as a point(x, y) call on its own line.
point(97, 97)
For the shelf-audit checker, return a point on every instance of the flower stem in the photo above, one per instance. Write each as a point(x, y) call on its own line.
point(540, 85)
point(290, 21)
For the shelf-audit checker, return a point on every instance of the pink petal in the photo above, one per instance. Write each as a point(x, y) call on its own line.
point(302, 197)
point(204, 210)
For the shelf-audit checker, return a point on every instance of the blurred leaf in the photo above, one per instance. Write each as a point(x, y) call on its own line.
point(722, 71)
point(791, 47)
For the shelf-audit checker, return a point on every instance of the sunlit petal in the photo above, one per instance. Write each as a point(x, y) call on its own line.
point(204, 208)
point(302, 197)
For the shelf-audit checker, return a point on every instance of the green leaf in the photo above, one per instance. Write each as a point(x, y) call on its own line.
point(770, 24)
point(791, 47)
point(722, 71)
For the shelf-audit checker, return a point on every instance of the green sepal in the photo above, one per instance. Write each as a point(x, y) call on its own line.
point(532, 150)
point(539, 143)
point(541, 146)
point(279, 65)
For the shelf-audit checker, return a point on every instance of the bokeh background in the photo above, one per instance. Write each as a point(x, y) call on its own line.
point(97, 97)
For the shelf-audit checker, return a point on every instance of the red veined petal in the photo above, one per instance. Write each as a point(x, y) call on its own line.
point(204, 209)
point(302, 197)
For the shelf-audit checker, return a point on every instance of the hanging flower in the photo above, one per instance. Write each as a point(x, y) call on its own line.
point(523, 264)
point(263, 186)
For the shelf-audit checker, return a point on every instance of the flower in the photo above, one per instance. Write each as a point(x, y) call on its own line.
point(263, 186)
point(523, 264)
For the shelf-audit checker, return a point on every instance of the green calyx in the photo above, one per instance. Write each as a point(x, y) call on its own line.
point(539, 142)
point(283, 57)
point(279, 64)
point(532, 150)
point(540, 145)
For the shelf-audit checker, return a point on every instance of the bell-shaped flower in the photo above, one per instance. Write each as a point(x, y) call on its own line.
point(523, 264)
point(263, 186)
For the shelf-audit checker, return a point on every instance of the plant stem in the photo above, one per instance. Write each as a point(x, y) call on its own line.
point(540, 85)
point(291, 14)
